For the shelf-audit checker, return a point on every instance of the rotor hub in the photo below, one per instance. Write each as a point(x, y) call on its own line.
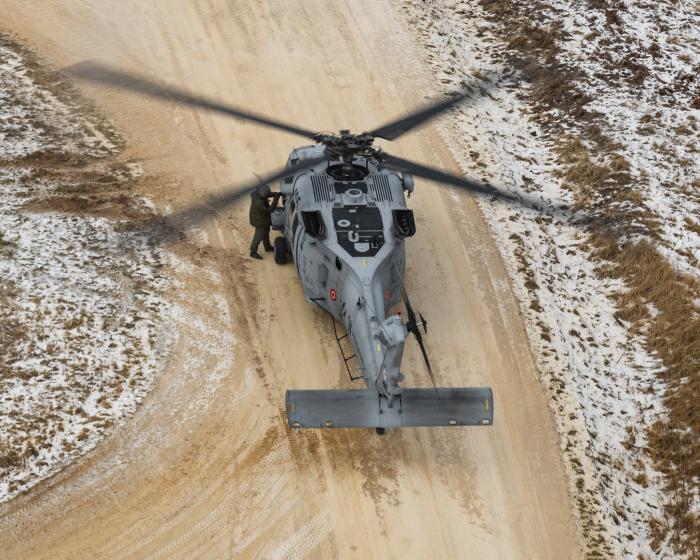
point(345, 145)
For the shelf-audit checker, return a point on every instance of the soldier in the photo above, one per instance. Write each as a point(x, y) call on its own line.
point(260, 218)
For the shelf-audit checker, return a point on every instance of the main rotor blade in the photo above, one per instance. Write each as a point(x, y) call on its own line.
point(419, 338)
point(96, 72)
point(393, 130)
point(440, 176)
point(232, 195)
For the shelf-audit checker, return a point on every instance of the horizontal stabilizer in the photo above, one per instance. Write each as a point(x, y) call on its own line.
point(471, 406)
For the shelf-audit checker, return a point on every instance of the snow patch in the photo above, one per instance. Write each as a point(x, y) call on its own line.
point(84, 317)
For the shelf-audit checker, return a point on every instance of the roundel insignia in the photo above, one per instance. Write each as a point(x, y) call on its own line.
point(333, 294)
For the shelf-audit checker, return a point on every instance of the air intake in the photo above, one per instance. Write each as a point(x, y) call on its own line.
point(323, 188)
point(380, 189)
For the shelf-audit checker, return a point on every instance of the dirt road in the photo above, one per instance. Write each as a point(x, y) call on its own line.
point(207, 468)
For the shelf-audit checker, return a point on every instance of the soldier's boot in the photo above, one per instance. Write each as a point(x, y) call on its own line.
point(266, 241)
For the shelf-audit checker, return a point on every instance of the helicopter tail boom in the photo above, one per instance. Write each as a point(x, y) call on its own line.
point(469, 406)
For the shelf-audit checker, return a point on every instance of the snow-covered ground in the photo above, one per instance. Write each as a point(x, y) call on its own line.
point(84, 318)
point(602, 380)
point(653, 60)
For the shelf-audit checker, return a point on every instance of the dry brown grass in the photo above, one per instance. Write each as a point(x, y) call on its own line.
point(6, 245)
point(623, 234)
point(672, 333)
point(12, 333)
point(533, 37)
point(692, 225)
point(115, 207)
point(604, 187)
point(8, 457)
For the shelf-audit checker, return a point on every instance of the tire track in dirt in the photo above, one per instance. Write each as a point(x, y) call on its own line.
point(261, 465)
point(307, 538)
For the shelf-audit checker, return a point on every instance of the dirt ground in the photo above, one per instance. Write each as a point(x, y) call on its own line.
point(207, 468)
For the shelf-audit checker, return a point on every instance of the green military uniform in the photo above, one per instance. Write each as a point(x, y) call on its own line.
point(260, 218)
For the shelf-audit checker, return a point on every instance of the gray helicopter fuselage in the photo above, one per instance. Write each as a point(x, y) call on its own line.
point(349, 254)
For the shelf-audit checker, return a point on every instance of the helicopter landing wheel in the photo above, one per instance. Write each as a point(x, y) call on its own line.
point(281, 250)
point(380, 431)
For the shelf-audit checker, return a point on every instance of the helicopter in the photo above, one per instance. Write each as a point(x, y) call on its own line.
point(344, 223)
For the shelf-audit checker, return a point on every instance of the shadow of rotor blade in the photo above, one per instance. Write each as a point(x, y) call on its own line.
point(214, 205)
point(96, 72)
point(393, 130)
